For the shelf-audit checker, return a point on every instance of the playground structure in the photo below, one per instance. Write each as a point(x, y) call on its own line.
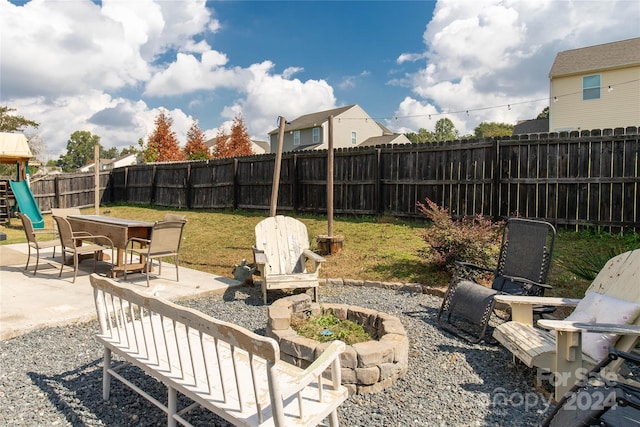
point(14, 149)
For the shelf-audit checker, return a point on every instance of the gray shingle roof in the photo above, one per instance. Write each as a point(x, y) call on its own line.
point(595, 58)
point(531, 126)
point(312, 120)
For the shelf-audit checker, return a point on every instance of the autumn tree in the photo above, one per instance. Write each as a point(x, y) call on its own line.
point(162, 145)
point(195, 148)
point(239, 143)
point(492, 130)
point(220, 148)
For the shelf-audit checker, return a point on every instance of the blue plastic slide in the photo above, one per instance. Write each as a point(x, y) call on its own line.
point(27, 203)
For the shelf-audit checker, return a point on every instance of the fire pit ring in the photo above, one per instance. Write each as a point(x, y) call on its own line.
point(367, 367)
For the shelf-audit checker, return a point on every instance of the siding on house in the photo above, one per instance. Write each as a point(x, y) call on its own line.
point(346, 120)
point(618, 65)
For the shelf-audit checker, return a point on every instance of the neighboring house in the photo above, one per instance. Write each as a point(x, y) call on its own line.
point(596, 87)
point(109, 164)
point(524, 127)
point(352, 127)
point(257, 146)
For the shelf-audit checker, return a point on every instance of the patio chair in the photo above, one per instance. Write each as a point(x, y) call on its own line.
point(174, 217)
point(608, 315)
point(523, 265)
point(79, 244)
point(165, 240)
point(598, 400)
point(63, 212)
point(281, 253)
point(34, 241)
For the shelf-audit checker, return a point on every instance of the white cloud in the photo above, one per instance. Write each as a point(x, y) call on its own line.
point(497, 53)
point(271, 95)
point(410, 57)
point(289, 72)
point(189, 74)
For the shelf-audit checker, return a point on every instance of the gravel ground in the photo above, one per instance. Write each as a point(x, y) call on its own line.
point(52, 377)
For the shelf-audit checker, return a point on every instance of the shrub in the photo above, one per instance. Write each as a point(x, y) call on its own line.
point(471, 239)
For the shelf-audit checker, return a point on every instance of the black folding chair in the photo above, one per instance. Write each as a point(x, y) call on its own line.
point(523, 266)
point(598, 400)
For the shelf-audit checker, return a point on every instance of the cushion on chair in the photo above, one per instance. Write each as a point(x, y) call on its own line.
point(598, 308)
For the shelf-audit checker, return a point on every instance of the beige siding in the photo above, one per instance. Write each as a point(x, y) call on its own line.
point(354, 119)
point(619, 107)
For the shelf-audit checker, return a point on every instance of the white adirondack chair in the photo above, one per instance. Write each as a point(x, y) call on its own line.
point(609, 314)
point(281, 254)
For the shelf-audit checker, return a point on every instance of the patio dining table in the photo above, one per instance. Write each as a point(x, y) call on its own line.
point(119, 230)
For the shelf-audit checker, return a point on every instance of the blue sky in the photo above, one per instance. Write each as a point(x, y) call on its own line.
point(109, 66)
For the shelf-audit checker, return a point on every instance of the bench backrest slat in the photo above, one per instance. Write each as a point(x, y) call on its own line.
point(187, 344)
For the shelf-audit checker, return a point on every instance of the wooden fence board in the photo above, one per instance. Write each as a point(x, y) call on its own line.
point(566, 179)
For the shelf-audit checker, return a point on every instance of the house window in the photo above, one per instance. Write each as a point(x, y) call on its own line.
point(591, 87)
point(354, 137)
point(296, 137)
point(316, 135)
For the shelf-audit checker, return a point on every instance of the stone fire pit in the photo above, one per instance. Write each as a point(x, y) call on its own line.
point(367, 367)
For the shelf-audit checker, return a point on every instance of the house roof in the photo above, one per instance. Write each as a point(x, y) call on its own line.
point(379, 140)
point(531, 126)
point(594, 58)
point(312, 120)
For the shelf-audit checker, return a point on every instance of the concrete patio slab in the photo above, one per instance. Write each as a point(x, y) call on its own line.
point(28, 302)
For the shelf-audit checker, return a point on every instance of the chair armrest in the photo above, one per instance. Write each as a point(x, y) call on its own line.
point(95, 238)
point(81, 234)
point(330, 355)
point(527, 281)
point(137, 239)
point(259, 257)
point(313, 256)
point(568, 326)
point(472, 266)
point(44, 231)
point(527, 300)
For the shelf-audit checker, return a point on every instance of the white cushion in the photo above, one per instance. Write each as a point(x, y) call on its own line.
point(598, 308)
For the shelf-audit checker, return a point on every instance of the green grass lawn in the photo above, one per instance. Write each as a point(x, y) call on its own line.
point(375, 248)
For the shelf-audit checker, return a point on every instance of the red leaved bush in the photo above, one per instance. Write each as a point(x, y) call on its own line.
point(471, 239)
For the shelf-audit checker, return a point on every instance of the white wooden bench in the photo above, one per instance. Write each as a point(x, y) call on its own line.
point(222, 367)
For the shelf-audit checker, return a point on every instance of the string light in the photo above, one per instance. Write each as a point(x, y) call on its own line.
point(555, 99)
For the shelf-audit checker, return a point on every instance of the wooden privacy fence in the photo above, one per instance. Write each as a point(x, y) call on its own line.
point(588, 179)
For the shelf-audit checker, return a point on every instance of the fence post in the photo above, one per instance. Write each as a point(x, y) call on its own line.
point(236, 184)
point(495, 196)
point(187, 189)
point(377, 191)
